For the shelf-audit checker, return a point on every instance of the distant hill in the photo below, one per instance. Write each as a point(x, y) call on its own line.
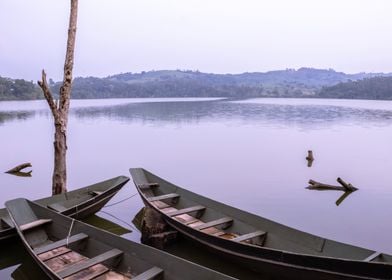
point(369, 88)
point(304, 82)
point(18, 89)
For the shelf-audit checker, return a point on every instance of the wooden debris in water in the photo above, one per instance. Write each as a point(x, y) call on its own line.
point(310, 158)
point(314, 185)
point(19, 167)
point(155, 231)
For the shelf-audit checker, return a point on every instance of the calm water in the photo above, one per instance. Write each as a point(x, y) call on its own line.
point(249, 154)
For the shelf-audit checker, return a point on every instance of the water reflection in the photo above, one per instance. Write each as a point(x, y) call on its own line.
point(306, 116)
point(11, 116)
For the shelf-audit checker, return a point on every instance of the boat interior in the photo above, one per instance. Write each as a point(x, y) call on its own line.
point(78, 254)
point(220, 220)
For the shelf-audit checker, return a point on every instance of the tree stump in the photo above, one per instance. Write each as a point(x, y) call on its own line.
point(155, 231)
point(310, 158)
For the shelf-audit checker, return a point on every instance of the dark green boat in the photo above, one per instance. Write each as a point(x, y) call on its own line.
point(69, 249)
point(258, 243)
point(78, 203)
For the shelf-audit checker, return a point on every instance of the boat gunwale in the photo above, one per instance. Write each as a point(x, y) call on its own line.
point(173, 222)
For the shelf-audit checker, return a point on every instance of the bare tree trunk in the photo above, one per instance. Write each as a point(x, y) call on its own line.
point(60, 109)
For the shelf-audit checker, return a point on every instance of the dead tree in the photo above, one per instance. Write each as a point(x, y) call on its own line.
point(60, 108)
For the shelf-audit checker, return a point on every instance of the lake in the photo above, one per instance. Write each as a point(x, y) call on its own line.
point(249, 154)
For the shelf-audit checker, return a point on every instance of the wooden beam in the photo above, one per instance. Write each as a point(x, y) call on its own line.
point(72, 239)
point(372, 257)
point(249, 236)
point(150, 274)
point(148, 185)
point(162, 197)
point(77, 267)
point(214, 223)
point(34, 224)
point(197, 208)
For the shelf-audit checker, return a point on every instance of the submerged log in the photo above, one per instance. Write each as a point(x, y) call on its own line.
point(19, 167)
point(314, 185)
point(155, 231)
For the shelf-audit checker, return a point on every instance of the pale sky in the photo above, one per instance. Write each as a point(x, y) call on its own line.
point(217, 36)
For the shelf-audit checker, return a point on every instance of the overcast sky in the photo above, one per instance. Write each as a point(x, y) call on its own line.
point(219, 36)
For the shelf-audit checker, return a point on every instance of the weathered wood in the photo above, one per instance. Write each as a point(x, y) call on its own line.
point(77, 267)
point(314, 185)
point(19, 167)
point(248, 236)
point(163, 197)
point(163, 239)
point(54, 253)
point(155, 231)
point(347, 186)
point(310, 158)
point(222, 221)
point(92, 273)
point(60, 109)
point(372, 256)
point(152, 273)
point(34, 224)
point(148, 185)
point(64, 261)
point(197, 208)
point(72, 239)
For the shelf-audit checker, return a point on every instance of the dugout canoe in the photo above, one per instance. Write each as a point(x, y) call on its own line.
point(256, 242)
point(69, 249)
point(78, 203)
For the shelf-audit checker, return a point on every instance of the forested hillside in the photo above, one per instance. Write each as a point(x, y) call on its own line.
point(304, 82)
point(18, 89)
point(370, 88)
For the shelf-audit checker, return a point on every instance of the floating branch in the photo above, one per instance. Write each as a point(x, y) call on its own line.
point(310, 158)
point(19, 168)
point(314, 185)
point(343, 197)
point(22, 174)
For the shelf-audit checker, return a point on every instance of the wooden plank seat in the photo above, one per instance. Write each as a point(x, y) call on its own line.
point(34, 224)
point(197, 208)
point(222, 221)
point(148, 185)
point(152, 273)
point(95, 193)
point(163, 197)
point(72, 239)
point(85, 264)
point(248, 236)
point(160, 204)
point(372, 256)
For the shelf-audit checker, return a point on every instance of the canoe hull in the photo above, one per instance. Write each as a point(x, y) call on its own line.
point(94, 204)
point(136, 258)
point(275, 262)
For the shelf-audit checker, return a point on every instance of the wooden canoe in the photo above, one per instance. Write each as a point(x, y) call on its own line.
point(69, 249)
point(78, 203)
point(256, 242)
